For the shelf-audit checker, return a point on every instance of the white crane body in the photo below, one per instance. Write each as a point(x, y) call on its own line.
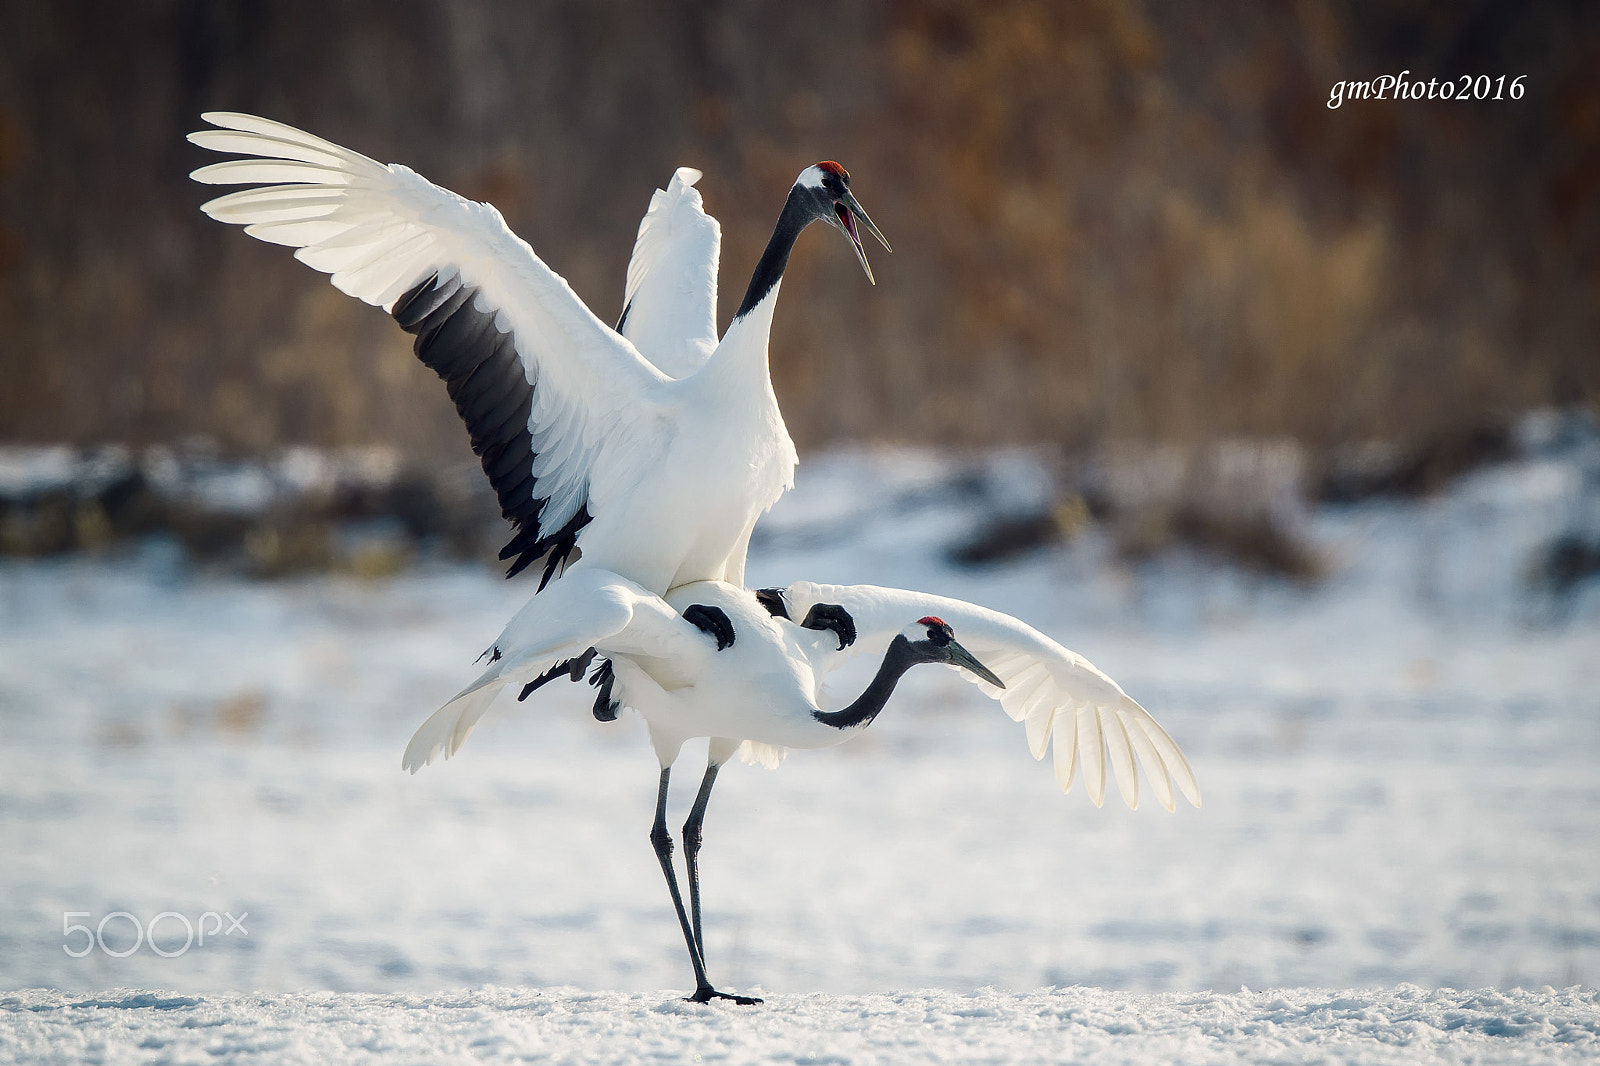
point(765, 689)
point(648, 452)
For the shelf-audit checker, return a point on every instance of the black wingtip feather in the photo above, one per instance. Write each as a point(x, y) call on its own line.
point(422, 300)
point(488, 382)
point(562, 545)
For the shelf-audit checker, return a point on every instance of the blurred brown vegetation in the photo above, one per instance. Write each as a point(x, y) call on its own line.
point(1112, 220)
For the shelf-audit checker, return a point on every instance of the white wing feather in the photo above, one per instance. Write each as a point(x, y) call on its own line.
point(671, 298)
point(1057, 694)
point(584, 608)
point(380, 231)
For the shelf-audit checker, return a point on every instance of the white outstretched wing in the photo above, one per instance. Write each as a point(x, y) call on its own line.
point(1054, 692)
point(584, 608)
point(670, 305)
point(555, 400)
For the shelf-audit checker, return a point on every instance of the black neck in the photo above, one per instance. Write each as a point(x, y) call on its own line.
point(798, 213)
point(896, 661)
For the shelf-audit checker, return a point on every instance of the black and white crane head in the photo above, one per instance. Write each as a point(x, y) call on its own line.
point(820, 194)
point(931, 640)
point(828, 184)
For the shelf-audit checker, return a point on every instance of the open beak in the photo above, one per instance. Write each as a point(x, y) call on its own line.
point(956, 655)
point(848, 211)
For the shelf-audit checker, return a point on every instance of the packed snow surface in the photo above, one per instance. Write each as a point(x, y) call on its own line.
point(1403, 1026)
point(1401, 770)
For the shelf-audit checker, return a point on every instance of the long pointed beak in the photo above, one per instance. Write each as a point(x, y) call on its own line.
point(848, 210)
point(855, 209)
point(956, 655)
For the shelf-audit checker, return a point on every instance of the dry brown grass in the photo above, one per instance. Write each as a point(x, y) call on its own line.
point(1113, 221)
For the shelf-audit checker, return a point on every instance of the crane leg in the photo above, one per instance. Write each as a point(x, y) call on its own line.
point(691, 851)
point(662, 840)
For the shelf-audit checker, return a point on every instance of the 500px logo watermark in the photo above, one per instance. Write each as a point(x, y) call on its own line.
point(1395, 86)
point(194, 933)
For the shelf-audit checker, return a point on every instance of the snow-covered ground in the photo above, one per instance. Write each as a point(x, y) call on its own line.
point(1401, 771)
point(1402, 1026)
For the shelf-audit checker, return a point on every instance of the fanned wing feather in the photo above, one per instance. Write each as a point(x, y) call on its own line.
point(253, 172)
point(447, 728)
point(1058, 695)
point(670, 305)
point(1091, 750)
point(274, 203)
point(1154, 767)
point(1039, 721)
point(1066, 759)
point(517, 335)
point(1122, 759)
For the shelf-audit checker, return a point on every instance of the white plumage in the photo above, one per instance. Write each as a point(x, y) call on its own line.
point(670, 303)
point(762, 691)
point(653, 468)
point(763, 688)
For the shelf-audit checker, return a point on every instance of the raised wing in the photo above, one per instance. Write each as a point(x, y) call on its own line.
point(550, 395)
point(1053, 691)
point(670, 306)
point(588, 608)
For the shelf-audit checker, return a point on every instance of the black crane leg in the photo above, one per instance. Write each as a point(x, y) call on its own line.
point(662, 840)
point(691, 851)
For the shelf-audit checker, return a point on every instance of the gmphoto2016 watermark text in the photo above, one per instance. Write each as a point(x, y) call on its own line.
point(1397, 87)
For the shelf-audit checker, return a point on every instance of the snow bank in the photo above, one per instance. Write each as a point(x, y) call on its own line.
point(1405, 1026)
